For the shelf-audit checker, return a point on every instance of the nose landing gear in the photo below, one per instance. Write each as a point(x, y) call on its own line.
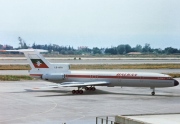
point(153, 92)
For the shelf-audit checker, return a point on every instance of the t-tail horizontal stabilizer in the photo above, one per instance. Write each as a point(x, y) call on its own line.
point(35, 59)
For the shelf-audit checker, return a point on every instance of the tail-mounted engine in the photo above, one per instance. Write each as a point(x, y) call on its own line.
point(55, 76)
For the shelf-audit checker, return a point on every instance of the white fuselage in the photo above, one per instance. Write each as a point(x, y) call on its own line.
point(123, 79)
point(127, 79)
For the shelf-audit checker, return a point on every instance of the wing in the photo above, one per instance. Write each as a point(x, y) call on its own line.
point(73, 84)
point(83, 84)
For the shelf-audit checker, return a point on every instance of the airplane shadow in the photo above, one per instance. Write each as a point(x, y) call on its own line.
point(97, 92)
point(62, 92)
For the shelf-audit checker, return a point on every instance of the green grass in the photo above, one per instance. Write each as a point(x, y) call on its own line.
point(126, 66)
point(174, 75)
point(15, 67)
point(14, 77)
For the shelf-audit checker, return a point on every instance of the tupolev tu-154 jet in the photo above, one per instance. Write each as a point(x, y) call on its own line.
point(87, 80)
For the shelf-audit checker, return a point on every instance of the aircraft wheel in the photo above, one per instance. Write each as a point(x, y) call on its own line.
point(93, 88)
point(73, 92)
point(81, 91)
point(87, 88)
point(77, 91)
point(153, 93)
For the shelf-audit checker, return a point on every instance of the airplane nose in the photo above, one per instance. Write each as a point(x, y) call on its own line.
point(176, 83)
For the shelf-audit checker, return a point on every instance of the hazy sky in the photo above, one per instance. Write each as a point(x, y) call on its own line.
point(101, 23)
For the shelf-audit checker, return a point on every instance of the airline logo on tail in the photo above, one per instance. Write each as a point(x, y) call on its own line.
point(38, 63)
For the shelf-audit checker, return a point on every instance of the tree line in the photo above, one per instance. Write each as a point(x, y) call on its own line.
point(146, 49)
point(121, 49)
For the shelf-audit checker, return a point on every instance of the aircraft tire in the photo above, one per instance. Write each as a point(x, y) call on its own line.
point(73, 91)
point(81, 91)
point(87, 88)
point(90, 88)
point(152, 93)
point(77, 91)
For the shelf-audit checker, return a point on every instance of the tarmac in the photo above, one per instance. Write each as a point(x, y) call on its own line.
point(20, 103)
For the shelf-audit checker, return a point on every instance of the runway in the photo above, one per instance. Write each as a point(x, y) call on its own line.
point(96, 61)
point(20, 104)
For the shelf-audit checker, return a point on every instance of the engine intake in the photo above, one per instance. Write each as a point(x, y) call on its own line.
point(53, 76)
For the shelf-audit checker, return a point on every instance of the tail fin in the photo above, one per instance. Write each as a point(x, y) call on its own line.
point(35, 59)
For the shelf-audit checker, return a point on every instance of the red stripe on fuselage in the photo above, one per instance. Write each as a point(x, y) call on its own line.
point(117, 77)
point(111, 77)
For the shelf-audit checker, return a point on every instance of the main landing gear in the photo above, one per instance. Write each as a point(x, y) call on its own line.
point(90, 88)
point(153, 92)
point(80, 91)
point(77, 91)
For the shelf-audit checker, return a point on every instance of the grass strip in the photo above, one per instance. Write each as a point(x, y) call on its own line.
point(174, 75)
point(101, 66)
point(126, 66)
point(15, 67)
point(14, 77)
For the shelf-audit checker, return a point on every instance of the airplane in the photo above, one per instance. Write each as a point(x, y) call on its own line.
point(87, 80)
